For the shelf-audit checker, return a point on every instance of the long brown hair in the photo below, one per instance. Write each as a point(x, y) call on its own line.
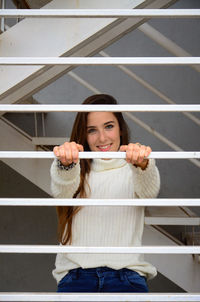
point(79, 135)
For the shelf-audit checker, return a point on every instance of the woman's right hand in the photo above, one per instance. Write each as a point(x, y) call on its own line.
point(68, 152)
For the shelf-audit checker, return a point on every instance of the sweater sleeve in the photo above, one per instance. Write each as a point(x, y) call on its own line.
point(64, 183)
point(147, 182)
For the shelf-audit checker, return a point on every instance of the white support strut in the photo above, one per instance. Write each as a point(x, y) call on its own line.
point(99, 13)
point(84, 155)
point(54, 249)
point(99, 108)
point(108, 297)
point(77, 61)
point(161, 202)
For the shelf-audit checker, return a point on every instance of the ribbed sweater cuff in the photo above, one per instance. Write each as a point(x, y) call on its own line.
point(66, 175)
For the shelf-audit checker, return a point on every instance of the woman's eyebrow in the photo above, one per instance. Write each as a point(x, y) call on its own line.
point(109, 122)
point(91, 127)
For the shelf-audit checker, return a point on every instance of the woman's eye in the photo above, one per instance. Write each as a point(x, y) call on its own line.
point(91, 130)
point(109, 126)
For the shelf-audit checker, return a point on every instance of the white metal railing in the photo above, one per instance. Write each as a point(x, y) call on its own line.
point(78, 61)
point(84, 155)
point(161, 202)
point(92, 108)
point(100, 13)
point(71, 297)
point(54, 249)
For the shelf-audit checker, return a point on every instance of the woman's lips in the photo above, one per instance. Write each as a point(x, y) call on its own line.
point(104, 148)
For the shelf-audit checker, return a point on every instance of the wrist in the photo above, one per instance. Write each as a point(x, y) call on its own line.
point(143, 165)
point(63, 167)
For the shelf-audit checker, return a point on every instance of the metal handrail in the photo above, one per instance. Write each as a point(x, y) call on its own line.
point(99, 108)
point(99, 61)
point(99, 13)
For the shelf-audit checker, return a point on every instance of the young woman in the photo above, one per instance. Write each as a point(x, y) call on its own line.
point(135, 177)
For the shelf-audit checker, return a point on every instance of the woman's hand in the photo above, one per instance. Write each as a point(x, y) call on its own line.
point(68, 152)
point(136, 154)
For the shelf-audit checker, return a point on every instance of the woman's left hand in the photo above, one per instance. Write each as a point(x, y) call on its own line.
point(136, 154)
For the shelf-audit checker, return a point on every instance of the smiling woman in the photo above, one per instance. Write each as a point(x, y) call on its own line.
point(135, 177)
point(103, 132)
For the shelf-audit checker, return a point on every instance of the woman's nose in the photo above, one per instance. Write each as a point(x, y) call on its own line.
point(102, 136)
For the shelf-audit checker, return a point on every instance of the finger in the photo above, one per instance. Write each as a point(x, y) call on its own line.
point(68, 153)
point(74, 152)
point(56, 151)
point(68, 156)
point(141, 155)
point(148, 151)
point(130, 152)
point(123, 148)
point(135, 156)
point(80, 147)
point(61, 155)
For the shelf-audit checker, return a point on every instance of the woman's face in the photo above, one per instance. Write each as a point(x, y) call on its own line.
point(103, 132)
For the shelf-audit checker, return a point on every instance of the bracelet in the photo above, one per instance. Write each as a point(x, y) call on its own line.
point(66, 168)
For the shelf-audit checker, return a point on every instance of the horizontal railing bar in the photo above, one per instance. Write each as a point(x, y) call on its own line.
point(99, 61)
point(99, 13)
point(54, 249)
point(99, 108)
point(84, 297)
point(99, 202)
point(84, 155)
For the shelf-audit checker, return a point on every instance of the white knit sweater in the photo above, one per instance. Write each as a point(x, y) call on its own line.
point(106, 225)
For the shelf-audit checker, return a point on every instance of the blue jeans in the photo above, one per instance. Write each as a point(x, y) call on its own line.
point(102, 279)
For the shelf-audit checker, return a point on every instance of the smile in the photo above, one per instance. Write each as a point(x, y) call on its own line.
point(104, 147)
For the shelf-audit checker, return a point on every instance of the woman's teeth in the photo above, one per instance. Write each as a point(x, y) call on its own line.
point(104, 147)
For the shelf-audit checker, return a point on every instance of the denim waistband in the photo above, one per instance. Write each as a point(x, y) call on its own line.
point(103, 270)
point(98, 272)
point(93, 269)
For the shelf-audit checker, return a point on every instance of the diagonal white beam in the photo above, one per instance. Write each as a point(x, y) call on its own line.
point(154, 90)
point(36, 171)
point(165, 42)
point(73, 36)
point(49, 141)
point(186, 274)
point(160, 136)
point(92, 36)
